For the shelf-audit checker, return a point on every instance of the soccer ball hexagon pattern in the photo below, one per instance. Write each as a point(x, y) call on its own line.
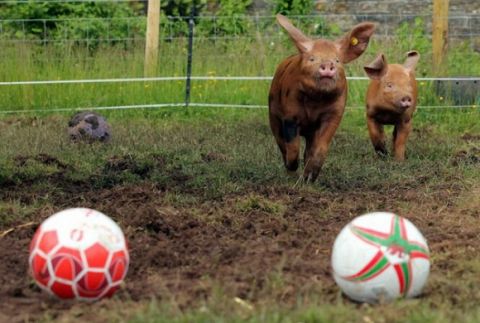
point(79, 254)
point(380, 256)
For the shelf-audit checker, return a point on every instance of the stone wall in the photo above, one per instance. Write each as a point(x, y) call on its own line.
point(464, 15)
point(391, 6)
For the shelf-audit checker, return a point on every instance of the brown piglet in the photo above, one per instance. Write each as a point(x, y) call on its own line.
point(308, 94)
point(391, 100)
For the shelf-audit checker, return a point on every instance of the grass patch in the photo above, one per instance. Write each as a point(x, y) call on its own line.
point(259, 203)
point(229, 153)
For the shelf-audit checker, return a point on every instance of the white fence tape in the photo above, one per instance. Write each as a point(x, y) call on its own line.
point(118, 107)
point(197, 78)
point(203, 78)
point(197, 105)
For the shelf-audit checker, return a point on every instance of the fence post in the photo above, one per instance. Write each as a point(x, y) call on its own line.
point(191, 24)
point(151, 43)
point(439, 34)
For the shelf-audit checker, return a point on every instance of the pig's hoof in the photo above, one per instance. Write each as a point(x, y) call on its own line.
point(292, 174)
point(310, 177)
point(292, 166)
point(382, 153)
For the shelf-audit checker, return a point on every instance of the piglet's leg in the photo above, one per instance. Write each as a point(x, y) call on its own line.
point(286, 134)
point(400, 135)
point(317, 146)
point(377, 136)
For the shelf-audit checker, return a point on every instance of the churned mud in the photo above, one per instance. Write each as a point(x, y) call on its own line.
point(265, 243)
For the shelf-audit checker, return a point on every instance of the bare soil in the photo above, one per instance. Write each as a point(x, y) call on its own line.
point(185, 253)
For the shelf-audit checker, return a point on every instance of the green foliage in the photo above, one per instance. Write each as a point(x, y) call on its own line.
point(229, 18)
point(175, 16)
point(294, 7)
point(182, 8)
point(219, 18)
point(45, 21)
point(40, 20)
point(310, 25)
point(412, 35)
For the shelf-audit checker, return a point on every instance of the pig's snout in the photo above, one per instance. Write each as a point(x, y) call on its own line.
point(327, 69)
point(406, 102)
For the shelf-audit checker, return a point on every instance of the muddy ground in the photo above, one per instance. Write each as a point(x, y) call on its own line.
point(263, 243)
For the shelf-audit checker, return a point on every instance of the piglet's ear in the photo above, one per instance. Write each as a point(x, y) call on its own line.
point(354, 43)
point(411, 60)
point(302, 42)
point(378, 68)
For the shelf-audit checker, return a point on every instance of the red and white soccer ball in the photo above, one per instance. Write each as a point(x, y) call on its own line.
point(79, 254)
point(379, 257)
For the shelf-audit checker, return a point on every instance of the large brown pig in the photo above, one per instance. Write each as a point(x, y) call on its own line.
point(309, 92)
point(391, 99)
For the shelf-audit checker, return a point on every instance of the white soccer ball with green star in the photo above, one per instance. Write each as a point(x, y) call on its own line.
point(379, 257)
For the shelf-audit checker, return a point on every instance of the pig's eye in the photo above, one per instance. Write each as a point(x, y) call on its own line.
point(337, 60)
point(312, 59)
point(389, 85)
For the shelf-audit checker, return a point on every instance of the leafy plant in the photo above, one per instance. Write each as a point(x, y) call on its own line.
point(311, 25)
point(229, 18)
point(412, 35)
point(182, 8)
point(294, 7)
point(46, 21)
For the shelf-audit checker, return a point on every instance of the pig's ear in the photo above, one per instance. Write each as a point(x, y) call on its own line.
point(354, 43)
point(411, 60)
point(302, 42)
point(378, 68)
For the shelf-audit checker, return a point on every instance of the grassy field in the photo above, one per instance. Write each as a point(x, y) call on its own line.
point(219, 232)
point(216, 228)
point(241, 57)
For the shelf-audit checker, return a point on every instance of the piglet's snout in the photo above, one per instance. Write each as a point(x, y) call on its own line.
point(327, 69)
point(406, 102)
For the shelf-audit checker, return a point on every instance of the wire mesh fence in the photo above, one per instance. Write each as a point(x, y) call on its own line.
point(127, 29)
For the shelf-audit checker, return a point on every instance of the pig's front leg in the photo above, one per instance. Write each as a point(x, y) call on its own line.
point(400, 135)
point(286, 133)
point(377, 136)
point(317, 146)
